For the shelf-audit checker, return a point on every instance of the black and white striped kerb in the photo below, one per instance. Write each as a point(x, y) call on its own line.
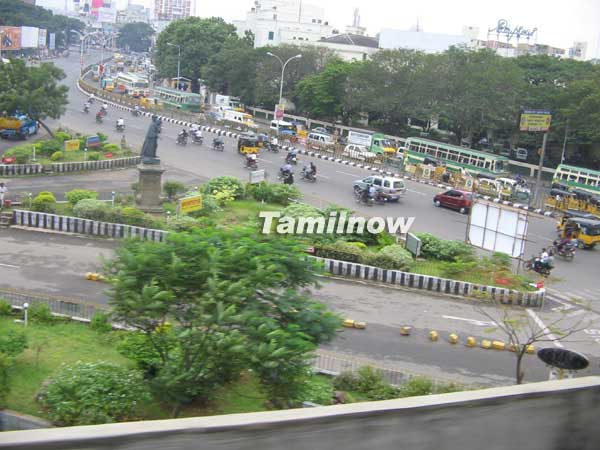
point(106, 164)
point(433, 284)
point(85, 226)
point(20, 169)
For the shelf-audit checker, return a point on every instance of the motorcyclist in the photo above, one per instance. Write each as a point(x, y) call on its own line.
point(310, 170)
point(368, 192)
point(291, 155)
point(136, 110)
point(104, 108)
point(251, 160)
point(91, 99)
point(196, 132)
point(286, 170)
point(99, 116)
point(183, 134)
point(120, 123)
point(86, 107)
point(218, 141)
point(313, 168)
point(544, 259)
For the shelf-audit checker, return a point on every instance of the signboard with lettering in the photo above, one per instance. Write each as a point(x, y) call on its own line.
point(279, 109)
point(71, 145)
point(190, 204)
point(92, 141)
point(256, 176)
point(535, 120)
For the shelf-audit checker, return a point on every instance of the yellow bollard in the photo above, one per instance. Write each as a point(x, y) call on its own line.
point(530, 349)
point(453, 338)
point(349, 323)
point(88, 276)
point(405, 331)
point(498, 345)
point(471, 342)
point(433, 335)
point(486, 343)
point(360, 325)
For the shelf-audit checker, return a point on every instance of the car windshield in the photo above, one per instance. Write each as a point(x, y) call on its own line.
point(398, 185)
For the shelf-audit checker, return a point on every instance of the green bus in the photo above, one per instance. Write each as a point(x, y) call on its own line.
point(186, 101)
point(578, 177)
point(419, 150)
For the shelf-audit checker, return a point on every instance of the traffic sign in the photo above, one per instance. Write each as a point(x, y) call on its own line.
point(563, 358)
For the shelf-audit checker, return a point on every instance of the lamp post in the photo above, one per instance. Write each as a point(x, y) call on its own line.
point(283, 64)
point(178, 62)
point(1, 33)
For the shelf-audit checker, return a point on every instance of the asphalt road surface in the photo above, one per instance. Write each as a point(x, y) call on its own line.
point(52, 263)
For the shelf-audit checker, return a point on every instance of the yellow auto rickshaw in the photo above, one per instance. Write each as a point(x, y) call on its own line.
point(585, 229)
point(248, 143)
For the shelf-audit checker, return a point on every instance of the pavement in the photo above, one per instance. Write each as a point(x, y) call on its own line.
point(55, 264)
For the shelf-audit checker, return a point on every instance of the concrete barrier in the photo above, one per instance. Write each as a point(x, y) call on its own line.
point(558, 414)
point(105, 164)
point(7, 170)
point(433, 284)
point(13, 421)
point(84, 226)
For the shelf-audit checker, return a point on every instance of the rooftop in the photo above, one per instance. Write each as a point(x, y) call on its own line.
point(353, 39)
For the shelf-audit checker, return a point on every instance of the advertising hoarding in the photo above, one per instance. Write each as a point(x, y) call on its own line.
point(190, 204)
point(10, 38)
point(535, 120)
point(29, 37)
point(42, 38)
point(52, 41)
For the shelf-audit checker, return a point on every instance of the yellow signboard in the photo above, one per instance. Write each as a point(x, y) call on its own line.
point(535, 120)
point(190, 204)
point(72, 145)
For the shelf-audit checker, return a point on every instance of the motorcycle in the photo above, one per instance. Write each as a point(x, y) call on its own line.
point(181, 139)
point(286, 177)
point(120, 128)
point(99, 118)
point(272, 148)
point(135, 112)
point(537, 266)
point(197, 139)
point(291, 159)
point(566, 251)
point(86, 109)
point(218, 146)
point(364, 197)
point(104, 111)
point(251, 164)
point(308, 175)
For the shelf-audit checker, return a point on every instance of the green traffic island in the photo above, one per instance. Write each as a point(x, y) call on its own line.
point(66, 146)
point(60, 370)
point(227, 203)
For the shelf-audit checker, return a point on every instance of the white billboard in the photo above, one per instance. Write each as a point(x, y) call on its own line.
point(498, 228)
point(107, 15)
point(43, 35)
point(29, 37)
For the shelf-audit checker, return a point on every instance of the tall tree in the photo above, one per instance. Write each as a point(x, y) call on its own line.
point(34, 90)
point(136, 36)
point(199, 40)
point(231, 299)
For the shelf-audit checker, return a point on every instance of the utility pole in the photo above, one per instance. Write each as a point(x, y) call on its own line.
point(564, 148)
point(538, 181)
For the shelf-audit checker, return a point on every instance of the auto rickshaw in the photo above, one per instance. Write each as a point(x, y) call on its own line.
point(585, 229)
point(248, 143)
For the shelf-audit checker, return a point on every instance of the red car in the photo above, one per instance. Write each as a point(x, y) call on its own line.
point(455, 199)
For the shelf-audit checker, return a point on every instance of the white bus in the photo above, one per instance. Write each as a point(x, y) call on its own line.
point(578, 177)
point(132, 84)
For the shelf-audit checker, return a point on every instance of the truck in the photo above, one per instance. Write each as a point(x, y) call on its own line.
point(374, 142)
point(227, 102)
point(18, 126)
point(239, 119)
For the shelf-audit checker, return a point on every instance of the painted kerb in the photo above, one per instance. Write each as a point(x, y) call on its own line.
point(20, 169)
point(106, 164)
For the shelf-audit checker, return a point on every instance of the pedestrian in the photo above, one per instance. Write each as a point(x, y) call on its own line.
point(3, 190)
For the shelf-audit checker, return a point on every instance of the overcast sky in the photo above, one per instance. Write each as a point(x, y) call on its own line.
point(559, 22)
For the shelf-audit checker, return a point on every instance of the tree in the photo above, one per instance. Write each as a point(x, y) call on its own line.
point(34, 90)
point(523, 329)
point(200, 39)
point(213, 303)
point(137, 36)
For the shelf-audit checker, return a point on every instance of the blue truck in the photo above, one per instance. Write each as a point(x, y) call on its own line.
point(19, 126)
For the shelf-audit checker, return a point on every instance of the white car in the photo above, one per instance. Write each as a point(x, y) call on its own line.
point(358, 152)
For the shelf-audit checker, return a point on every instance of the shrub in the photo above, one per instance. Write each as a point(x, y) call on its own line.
point(40, 312)
point(95, 210)
point(44, 202)
point(341, 251)
point(93, 156)
point(436, 248)
point(21, 153)
point(13, 342)
point(416, 386)
point(101, 322)
point(111, 148)
point(219, 184)
point(133, 216)
point(57, 156)
point(224, 196)
point(346, 381)
point(77, 195)
point(62, 136)
point(209, 207)
point(318, 390)
point(137, 347)
point(281, 194)
point(184, 223)
point(50, 146)
point(103, 137)
point(301, 210)
point(395, 257)
point(456, 269)
point(6, 363)
point(5, 308)
point(372, 384)
point(94, 393)
point(172, 188)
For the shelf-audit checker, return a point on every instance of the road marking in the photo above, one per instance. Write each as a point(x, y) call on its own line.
point(544, 328)
point(416, 192)
point(564, 307)
point(349, 174)
point(481, 323)
point(576, 313)
point(9, 265)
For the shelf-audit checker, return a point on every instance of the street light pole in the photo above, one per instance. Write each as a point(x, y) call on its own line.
point(564, 148)
point(178, 63)
point(283, 65)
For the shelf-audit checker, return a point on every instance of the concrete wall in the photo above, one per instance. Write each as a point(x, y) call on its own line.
point(12, 420)
point(553, 415)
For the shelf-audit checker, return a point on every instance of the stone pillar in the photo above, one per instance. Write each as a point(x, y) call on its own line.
point(150, 187)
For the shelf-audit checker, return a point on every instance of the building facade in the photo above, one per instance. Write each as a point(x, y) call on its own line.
point(275, 22)
point(167, 10)
point(391, 39)
point(349, 47)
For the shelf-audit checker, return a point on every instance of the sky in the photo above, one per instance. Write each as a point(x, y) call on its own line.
point(559, 22)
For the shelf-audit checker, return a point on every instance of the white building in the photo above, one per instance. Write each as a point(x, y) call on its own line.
point(578, 51)
point(390, 39)
point(349, 47)
point(275, 22)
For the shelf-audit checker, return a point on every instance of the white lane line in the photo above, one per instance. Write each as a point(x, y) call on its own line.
point(416, 192)
point(9, 265)
point(575, 313)
point(481, 323)
point(349, 174)
point(544, 328)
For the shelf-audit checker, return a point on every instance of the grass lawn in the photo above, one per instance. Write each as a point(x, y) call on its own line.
point(241, 212)
point(67, 342)
point(79, 155)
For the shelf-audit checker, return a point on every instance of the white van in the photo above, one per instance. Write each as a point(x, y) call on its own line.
point(320, 138)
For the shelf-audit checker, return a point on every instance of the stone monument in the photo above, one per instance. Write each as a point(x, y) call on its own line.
point(150, 185)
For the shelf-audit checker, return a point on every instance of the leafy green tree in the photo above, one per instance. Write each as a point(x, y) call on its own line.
point(34, 90)
point(136, 36)
point(210, 300)
point(200, 39)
